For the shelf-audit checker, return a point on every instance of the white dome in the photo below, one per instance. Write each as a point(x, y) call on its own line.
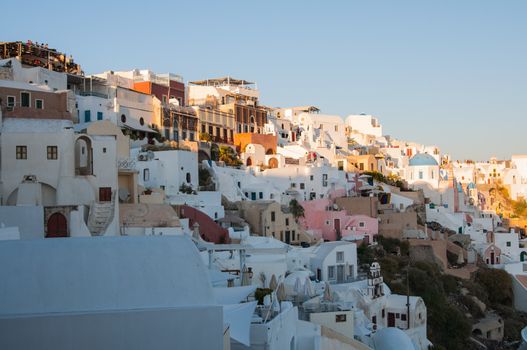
point(392, 338)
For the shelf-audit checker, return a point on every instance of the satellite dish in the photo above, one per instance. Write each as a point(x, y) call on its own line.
point(124, 194)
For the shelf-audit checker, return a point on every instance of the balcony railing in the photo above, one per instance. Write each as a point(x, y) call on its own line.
point(126, 164)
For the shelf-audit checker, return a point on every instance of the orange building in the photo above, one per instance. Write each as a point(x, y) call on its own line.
point(269, 142)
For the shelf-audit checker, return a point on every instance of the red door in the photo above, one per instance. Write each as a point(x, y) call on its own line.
point(105, 194)
point(57, 226)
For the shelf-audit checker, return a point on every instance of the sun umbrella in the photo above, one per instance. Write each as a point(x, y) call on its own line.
point(328, 295)
point(308, 289)
point(280, 293)
point(298, 286)
point(273, 284)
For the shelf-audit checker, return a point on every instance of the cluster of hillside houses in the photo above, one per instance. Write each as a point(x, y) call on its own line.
point(187, 200)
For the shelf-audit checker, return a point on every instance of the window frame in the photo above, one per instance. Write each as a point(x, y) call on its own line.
point(37, 100)
point(14, 101)
point(21, 152)
point(28, 99)
point(52, 152)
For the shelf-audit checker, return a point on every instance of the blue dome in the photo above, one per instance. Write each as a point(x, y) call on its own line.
point(423, 159)
point(471, 186)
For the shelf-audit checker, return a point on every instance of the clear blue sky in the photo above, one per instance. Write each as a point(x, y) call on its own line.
point(450, 73)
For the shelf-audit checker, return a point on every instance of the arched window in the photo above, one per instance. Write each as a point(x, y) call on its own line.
point(141, 121)
point(123, 118)
point(188, 178)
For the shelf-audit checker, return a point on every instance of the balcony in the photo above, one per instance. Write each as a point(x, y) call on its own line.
point(126, 164)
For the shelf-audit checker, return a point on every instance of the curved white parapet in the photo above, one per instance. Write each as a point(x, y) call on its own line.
point(523, 346)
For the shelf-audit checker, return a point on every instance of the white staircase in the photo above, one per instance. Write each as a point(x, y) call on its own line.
point(101, 215)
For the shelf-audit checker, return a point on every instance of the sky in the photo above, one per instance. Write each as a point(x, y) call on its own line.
point(448, 73)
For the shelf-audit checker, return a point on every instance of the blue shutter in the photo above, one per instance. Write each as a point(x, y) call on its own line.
point(99, 115)
point(87, 116)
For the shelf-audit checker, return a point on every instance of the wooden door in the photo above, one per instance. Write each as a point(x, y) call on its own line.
point(391, 319)
point(105, 194)
point(57, 226)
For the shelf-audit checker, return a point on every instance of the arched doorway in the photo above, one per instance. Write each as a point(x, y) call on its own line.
point(249, 161)
point(57, 226)
point(83, 156)
point(273, 163)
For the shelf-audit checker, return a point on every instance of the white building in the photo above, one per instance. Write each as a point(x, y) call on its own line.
point(423, 169)
point(364, 124)
point(335, 262)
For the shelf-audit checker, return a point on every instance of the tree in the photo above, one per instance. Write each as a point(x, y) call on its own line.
point(205, 137)
point(498, 285)
point(296, 209)
point(229, 156)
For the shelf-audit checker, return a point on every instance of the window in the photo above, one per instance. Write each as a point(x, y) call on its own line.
point(403, 317)
point(273, 216)
point(11, 101)
point(397, 315)
point(293, 185)
point(361, 166)
point(25, 98)
point(164, 98)
point(191, 136)
point(508, 244)
point(52, 152)
point(260, 195)
point(420, 175)
point(340, 318)
point(383, 313)
point(183, 135)
point(340, 256)
point(286, 221)
point(188, 177)
point(99, 115)
point(39, 103)
point(331, 272)
point(146, 174)
point(361, 224)
point(302, 186)
point(87, 116)
point(310, 177)
point(374, 319)
point(324, 180)
point(336, 128)
point(104, 150)
point(123, 118)
point(21, 152)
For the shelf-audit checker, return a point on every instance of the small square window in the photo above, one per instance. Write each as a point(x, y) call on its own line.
point(52, 152)
point(340, 256)
point(340, 318)
point(11, 101)
point(104, 150)
point(21, 152)
point(39, 104)
point(302, 186)
point(403, 317)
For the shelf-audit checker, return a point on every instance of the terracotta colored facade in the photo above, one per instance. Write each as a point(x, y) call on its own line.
point(162, 92)
point(54, 104)
point(268, 141)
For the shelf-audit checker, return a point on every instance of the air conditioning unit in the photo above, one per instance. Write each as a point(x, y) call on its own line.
point(30, 178)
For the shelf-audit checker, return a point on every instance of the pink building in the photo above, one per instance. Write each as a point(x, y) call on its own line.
point(324, 221)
